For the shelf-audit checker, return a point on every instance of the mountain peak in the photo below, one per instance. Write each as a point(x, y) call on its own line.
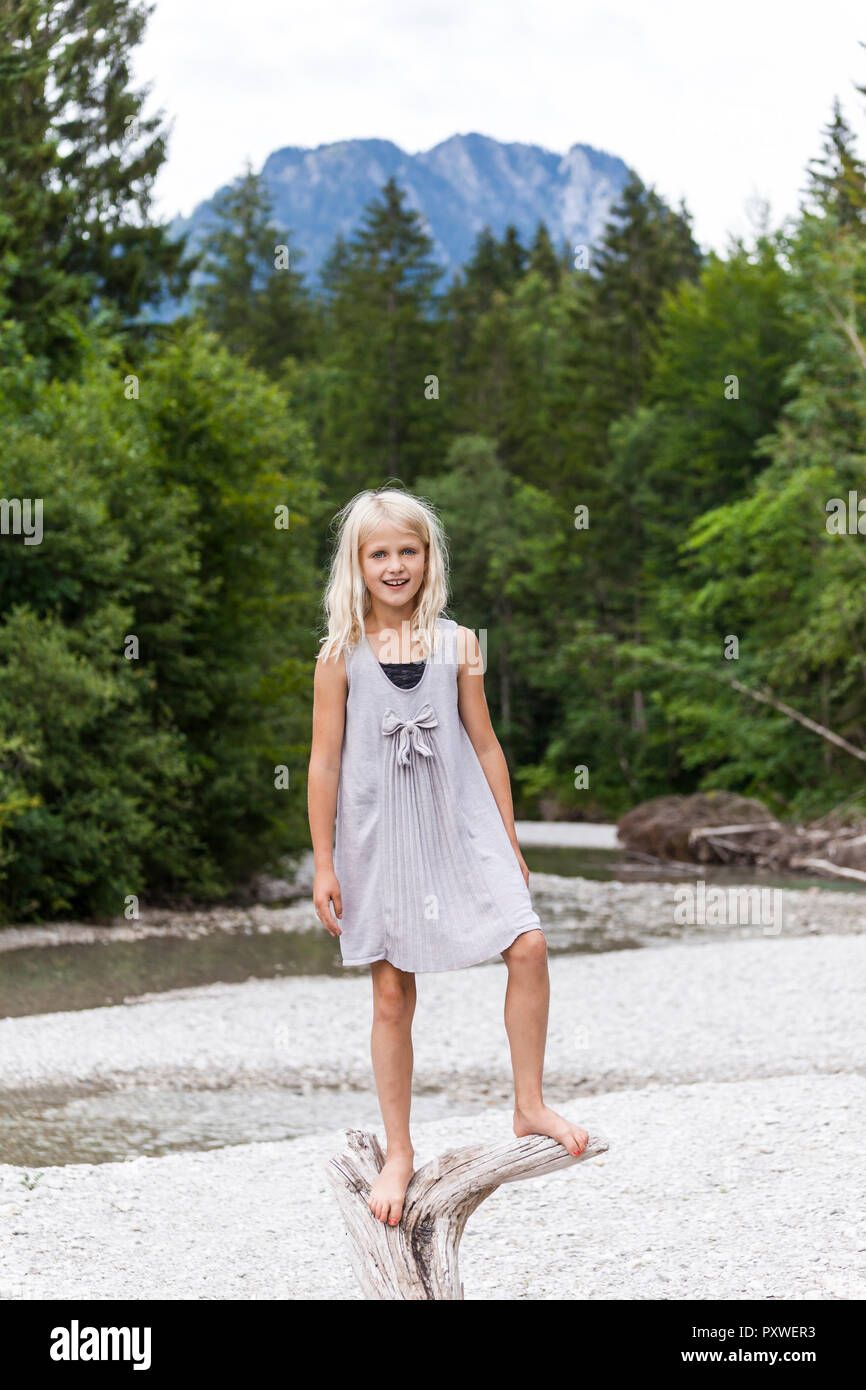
point(465, 182)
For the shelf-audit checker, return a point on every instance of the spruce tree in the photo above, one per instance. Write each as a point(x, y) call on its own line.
point(259, 306)
point(837, 181)
point(77, 164)
point(513, 257)
point(383, 417)
point(543, 258)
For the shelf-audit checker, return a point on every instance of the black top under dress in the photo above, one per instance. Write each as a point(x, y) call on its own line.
point(405, 674)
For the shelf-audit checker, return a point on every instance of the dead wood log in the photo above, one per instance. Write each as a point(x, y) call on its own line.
point(703, 830)
point(417, 1259)
point(827, 867)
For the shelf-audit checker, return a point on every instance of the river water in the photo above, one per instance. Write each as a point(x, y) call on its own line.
point(88, 1124)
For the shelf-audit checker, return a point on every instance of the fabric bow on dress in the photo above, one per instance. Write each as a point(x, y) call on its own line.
point(410, 732)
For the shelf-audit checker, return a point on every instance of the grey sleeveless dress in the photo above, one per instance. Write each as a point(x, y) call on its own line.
point(428, 877)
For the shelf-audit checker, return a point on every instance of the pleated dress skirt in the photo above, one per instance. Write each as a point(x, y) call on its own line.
point(428, 876)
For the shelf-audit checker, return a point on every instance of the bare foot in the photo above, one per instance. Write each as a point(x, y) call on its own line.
point(389, 1189)
point(540, 1119)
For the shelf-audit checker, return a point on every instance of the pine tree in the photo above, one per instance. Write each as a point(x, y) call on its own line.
point(494, 267)
point(646, 250)
point(513, 258)
point(475, 313)
point(543, 258)
point(385, 341)
point(77, 165)
point(258, 307)
point(333, 267)
point(837, 181)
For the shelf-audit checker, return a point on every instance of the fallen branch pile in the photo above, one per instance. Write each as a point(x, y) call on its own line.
point(722, 828)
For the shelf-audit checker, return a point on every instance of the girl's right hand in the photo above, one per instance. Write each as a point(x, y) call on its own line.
point(325, 887)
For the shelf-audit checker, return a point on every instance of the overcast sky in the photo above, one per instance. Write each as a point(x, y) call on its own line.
point(714, 103)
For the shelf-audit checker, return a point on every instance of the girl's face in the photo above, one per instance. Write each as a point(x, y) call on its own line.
point(389, 556)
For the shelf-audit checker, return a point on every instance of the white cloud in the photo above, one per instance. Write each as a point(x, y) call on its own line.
point(709, 102)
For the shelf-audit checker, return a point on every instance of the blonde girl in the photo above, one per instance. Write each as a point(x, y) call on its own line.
point(425, 872)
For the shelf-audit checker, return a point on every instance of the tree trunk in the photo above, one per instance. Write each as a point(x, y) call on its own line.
point(417, 1259)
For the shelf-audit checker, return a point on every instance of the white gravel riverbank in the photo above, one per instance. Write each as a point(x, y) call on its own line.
point(729, 1079)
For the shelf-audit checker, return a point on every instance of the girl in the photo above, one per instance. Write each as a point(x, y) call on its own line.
point(426, 873)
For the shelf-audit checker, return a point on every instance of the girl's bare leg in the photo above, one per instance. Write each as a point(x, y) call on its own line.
point(394, 999)
point(527, 1001)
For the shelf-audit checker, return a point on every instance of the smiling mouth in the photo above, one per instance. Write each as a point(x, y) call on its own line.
point(395, 583)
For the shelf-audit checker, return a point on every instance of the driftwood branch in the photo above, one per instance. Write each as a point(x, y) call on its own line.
point(825, 866)
point(417, 1259)
point(717, 839)
point(703, 830)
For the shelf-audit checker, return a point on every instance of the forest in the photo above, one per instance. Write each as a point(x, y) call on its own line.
point(649, 466)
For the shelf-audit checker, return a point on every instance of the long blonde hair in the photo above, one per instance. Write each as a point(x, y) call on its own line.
point(347, 599)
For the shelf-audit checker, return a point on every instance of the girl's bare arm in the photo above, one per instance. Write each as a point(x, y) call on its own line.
point(330, 688)
point(475, 717)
